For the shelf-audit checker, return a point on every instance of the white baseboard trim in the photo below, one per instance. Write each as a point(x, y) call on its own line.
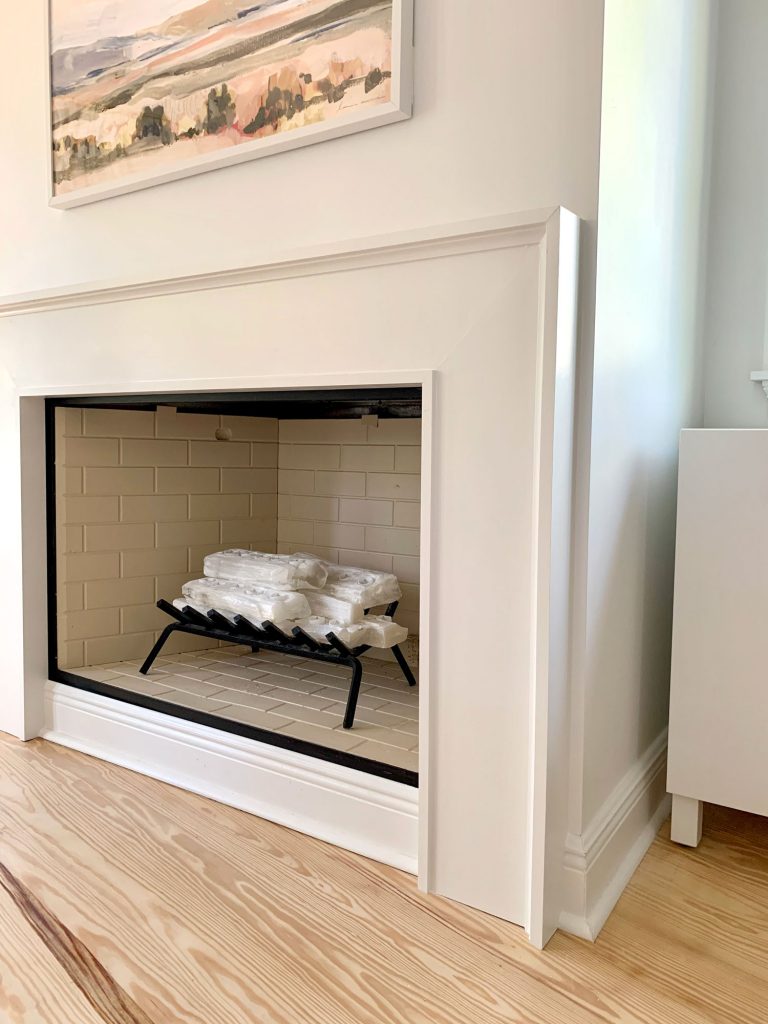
point(372, 816)
point(600, 862)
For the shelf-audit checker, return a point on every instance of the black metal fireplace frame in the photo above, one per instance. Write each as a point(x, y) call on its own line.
point(408, 397)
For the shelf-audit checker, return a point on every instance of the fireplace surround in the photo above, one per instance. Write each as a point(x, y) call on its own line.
point(482, 317)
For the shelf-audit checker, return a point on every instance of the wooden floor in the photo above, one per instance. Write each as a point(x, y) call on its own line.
point(125, 900)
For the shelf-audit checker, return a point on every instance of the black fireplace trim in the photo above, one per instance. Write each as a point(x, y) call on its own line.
point(394, 402)
point(58, 675)
point(252, 732)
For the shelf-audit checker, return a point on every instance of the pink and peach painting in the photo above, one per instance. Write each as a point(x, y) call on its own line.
point(145, 91)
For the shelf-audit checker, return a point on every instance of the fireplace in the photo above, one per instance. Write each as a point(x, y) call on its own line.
point(141, 491)
point(479, 319)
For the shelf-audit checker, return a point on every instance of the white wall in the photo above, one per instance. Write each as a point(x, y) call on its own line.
point(737, 287)
point(506, 118)
point(647, 379)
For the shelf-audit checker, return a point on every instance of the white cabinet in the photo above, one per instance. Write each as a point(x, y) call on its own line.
point(718, 731)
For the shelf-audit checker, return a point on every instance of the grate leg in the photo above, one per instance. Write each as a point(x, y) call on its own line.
point(158, 647)
point(406, 668)
point(354, 692)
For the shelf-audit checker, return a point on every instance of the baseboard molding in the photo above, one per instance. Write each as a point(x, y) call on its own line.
point(375, 817)
point(600, 862)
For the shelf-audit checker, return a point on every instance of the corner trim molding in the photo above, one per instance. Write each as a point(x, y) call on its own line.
point(599, 863)
point(368, 815)
point(465, 238)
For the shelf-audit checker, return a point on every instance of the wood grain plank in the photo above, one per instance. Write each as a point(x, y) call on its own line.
point(226, 917)
point(205, 914)
point(34, 988)
point(85, 973)
point(690, 909)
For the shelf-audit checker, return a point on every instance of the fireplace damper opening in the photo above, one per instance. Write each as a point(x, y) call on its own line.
point(143, 488)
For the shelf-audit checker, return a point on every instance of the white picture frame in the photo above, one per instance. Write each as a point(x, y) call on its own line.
point(399, 107)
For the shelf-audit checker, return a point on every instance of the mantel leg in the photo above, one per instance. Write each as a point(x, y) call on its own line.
point(687, 815)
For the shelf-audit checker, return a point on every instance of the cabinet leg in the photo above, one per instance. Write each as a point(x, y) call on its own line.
point(687, 817)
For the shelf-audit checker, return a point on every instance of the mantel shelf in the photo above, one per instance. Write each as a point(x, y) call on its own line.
point(760, 377)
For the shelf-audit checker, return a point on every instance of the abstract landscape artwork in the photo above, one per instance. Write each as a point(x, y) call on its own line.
point(146, 91)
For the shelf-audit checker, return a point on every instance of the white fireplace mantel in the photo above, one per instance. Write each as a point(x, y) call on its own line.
point(761, 377)
point(482, 315)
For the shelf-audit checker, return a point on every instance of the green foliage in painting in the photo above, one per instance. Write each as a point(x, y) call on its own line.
point(279, 104)
point(373, 78)
point(220, 110)
point(153, 124)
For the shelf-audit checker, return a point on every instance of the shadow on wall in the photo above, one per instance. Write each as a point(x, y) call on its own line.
point(628, 684)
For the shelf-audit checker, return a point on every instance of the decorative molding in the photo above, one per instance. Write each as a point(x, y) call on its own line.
point(761, 377)
point(599, 863)
point(371, 816)
point(465, 238)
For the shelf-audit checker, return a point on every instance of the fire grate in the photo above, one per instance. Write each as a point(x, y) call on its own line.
point(269, 637)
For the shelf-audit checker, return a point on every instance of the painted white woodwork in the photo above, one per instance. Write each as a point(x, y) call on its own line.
point(600, 861)
point(482, 315)
point(718, 708)
point(372, 816)
point(687, 820)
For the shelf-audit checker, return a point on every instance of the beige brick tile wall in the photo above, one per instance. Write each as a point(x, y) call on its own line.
point(350, 492)
point(143, 497)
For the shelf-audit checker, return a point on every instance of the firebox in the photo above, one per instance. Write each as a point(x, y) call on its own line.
point(145, 490)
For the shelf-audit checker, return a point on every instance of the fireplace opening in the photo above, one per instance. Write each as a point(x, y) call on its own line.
point(143, 490)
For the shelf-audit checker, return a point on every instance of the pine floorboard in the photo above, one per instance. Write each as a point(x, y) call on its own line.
point(127, 901)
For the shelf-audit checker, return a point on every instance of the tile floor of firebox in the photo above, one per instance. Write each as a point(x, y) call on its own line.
point(293, 696)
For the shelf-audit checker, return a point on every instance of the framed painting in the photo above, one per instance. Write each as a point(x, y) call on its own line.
point(148, 91)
